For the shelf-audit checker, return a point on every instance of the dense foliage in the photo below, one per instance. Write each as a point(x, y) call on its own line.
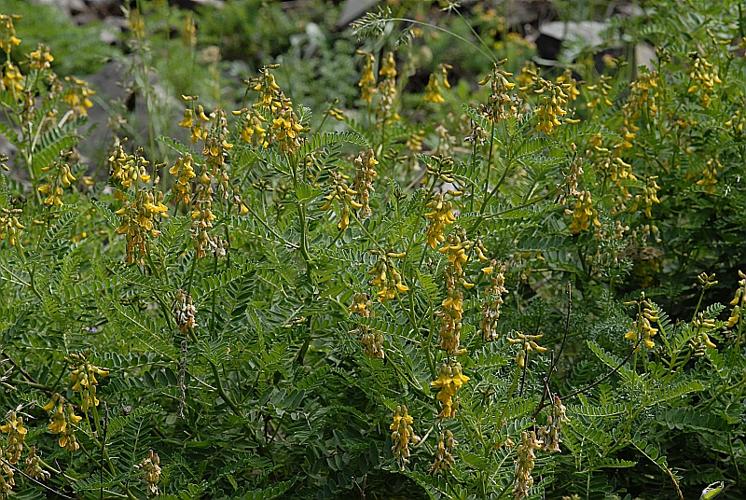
point(453, 276)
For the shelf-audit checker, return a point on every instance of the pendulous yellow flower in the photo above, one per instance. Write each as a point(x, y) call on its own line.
point(402, 434)
point(16, 432)
point(450, 379)
point(77, 96)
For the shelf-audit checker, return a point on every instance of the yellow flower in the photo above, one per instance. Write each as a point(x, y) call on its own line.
point(138, 221)
point(41, 58)
point(414, 142)
point(501, 103)
point(527, 344)
point(387, 278)
point(196, 127)
point(367, 81)
point(432, 91)
point(341, 194)
point(365, 174)
point(444, 458)
point(183, 171)
point(710, 175)
point(12, 78)
point(450, 380)
point(16, 432)
point(10, 227)
point(493, 301)
point(8, 38)
point(440, 217)
point(83, 379)
point(553, 105)
point(402, 434)
point(77, 96)
point(388, 68)
point(704, 77)
point(583, 215)
point(63, 421)
point(61, 177)
point(642, 326)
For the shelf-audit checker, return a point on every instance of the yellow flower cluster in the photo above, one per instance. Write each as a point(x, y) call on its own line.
point(203, 217)
point(8, 38)
point(527, 344)
point(440, 217)
point(525, 463)
point(450, 379)
point(128, 169)
point(493, 301)
point(612, 164)
point(138, 219)
point(10, 227)
point(737, 122)
point(372, 341)
point(16, 432)
point(550, 433)
point(41, 58)
point(360, 305)
point(527, 77)
point(367, 81)
point(702, 340)
point(77, 96)
point(151, 466)
point(365, 174)
point(704, 77)
point(451, 315)
point(738, 302)
point(337, 114)
point(195, 120)
point(342, 194)
point(444, 458)
point(216, 146)
point(455, 252)
point(501, 103)
point(284, 125)
point(54, 186)
point(387, 90)
point(184, 312)
point(583, 214)
point(402, 435)
point(253, 129)
point(642, 327)
point(452, 311)
point(84, 381)
point(568, 84)
point(7, 479)
point(649, 196)
point(414, 142)
point(436, 83)
point(643, 93)
point(552, 109)
point(183, 172)
point(33, 466)
point(12, 79)
point(710, 175)
point(387, 278)
point(63, 421)
point(599, 93)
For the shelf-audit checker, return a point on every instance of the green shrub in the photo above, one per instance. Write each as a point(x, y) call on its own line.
point(454, 289)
